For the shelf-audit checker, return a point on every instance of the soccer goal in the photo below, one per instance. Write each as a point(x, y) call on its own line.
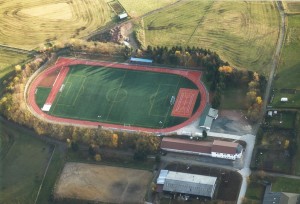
point(172, 100)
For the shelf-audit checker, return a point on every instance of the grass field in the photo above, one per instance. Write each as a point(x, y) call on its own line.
point(9, 58)
point(293, 6)
point(138, 8)
point(23, 161)
point(288, 72)
point(242, 33)
point(29, 23)
point(255, 192)
point(103, 183)
point(282, 184)
point(233, 98)
point(118, 96)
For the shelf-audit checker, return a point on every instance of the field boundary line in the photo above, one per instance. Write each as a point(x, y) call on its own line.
point(81, 88)
point(111, 107)
point(153, 100)
point(170, 106)
point(37, 196)
point(201, 21)
point(149, 112)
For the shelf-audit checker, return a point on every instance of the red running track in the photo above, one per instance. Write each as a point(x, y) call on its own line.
point(57, 84)
point(185, 103)
point(194, 76)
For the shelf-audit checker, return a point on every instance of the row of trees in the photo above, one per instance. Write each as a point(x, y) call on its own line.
point(83, 46)
point(188, 57)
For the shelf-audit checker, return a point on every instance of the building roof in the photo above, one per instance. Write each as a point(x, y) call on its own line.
point(207, 122)
point(271, 197)
point(213, 113)
point(162, 177)
point(186, 145)
point(280, 197)
point(289, 198)
point(123, 15)
point(193, 178)
point(46, 107)
point(190, 184)
point(204, 115)
point(134, 59)
point(224, 147)
point(207, 117)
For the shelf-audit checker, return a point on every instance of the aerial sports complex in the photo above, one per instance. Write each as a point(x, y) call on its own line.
point(117, 95)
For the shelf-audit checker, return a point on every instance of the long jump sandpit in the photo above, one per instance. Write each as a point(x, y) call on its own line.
point(102, 183)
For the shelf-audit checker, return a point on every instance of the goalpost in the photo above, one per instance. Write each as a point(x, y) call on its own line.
point(172, 100)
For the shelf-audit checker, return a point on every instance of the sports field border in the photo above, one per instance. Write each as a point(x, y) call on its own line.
point(193, 76)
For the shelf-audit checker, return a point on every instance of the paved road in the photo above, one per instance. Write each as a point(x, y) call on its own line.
point(245, 172)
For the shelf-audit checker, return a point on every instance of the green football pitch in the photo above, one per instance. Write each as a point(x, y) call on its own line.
point(118, 96)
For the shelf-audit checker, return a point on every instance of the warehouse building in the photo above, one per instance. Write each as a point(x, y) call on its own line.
point(188, 184)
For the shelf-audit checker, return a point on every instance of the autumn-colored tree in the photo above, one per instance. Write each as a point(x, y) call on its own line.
point(258, 100)
point(18, 68)
point(114, 142)
point(226, 69)
point(97, 157)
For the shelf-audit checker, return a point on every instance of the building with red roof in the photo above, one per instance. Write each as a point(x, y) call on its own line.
point(217, 148)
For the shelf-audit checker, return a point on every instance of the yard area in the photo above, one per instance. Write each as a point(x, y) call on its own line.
point(243, 33)
point(289, 63)
point(233, 98)
point(102, 183)
point(276, 149)
point(282, 184)
point(23, 163)
point(255, 192)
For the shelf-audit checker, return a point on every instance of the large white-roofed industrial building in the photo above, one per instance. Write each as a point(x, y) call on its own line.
point(188, 184)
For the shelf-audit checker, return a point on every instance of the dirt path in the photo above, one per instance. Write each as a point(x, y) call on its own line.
point(276, 58)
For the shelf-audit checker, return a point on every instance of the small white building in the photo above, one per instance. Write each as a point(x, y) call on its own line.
point(123, 16)
point(284, 99)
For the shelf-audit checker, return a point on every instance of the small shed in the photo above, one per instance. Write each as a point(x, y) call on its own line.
point(284, 99)
point(123, 16)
